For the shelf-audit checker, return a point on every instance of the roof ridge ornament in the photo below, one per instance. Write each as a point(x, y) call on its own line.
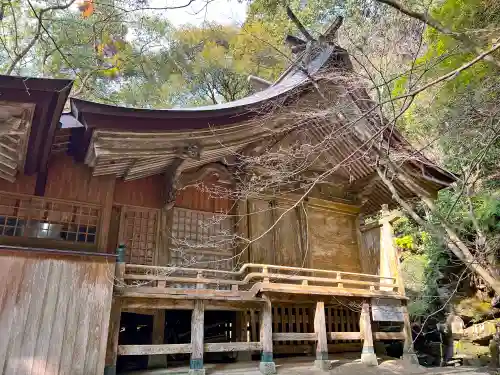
point(331, 34)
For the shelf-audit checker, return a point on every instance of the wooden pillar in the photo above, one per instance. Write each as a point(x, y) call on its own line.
point(267, 365)
point(197, 333)
point(393, 269)
point(105, 222)
point(159, 360)
point(164, 237)
point(389, 262)
point(368, 355)
point(115, 316)
point(321, 338)
point(242, 334)
point(408, 352)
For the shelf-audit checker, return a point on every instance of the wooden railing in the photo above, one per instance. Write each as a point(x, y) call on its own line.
point(49, 219)
point(252, 278)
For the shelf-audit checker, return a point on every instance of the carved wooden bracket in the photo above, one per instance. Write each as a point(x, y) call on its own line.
point(174, 170)
point(172, 174)
point(176, 179)
point(219, 171)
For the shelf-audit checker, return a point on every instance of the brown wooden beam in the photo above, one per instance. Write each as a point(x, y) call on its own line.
point(390, 336)
point(344, 335)
point(232, 347)
point(294, 336)
point(154, 349)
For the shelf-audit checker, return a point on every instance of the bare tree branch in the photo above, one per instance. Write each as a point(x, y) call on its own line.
point(37, 34)
point(428, 20)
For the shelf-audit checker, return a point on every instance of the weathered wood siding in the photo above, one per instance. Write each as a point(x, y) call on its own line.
point(333, 240)
point(195, 198)
point(275, 228)
point(302, 236)
point(370, 249)
point(260, 221)
point(288, 234)
point(73, 181)
point(23, 184)
point(144, 192)
point(54, 313)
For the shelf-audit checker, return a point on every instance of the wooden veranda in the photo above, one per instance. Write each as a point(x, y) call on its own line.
point(256, 288)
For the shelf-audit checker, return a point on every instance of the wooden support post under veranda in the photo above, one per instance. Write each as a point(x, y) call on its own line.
point(321, 361)
point(197, 337)
point(408, 351)
point(159, 360)
point(368, 355)
point(266, 365)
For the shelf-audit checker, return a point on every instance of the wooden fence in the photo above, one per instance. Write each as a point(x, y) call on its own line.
point(54, 311)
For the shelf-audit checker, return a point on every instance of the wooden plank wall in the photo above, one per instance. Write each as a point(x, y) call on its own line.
point(23, 184)
point(144, 192)
point(74, 181)
point(195, 198)
point(305, 236)
point(260, 219)
point(370, 249)
point(333, 240)
point(287, 241)
point(54, 313)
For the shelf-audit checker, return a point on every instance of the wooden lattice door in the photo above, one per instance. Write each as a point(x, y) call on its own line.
point(139, 233)
point(201, 240)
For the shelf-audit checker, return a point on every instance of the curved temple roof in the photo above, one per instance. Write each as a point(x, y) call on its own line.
point(298, 74)
point(132, 143)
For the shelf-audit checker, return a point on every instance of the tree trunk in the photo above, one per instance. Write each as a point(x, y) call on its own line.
point(445, 232)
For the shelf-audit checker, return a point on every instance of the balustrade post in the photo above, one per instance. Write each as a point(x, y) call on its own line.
point(265, 272)
point(321, 361)
point(120, 263)
point(339, 278)
point(199, 276)
point(115, 316)
point(266, 365)
point(197, 338)
point(368, 355)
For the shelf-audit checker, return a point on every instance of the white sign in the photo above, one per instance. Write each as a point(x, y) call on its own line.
point(387, 310)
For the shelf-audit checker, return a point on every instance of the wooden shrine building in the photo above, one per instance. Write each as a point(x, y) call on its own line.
point(75, 187)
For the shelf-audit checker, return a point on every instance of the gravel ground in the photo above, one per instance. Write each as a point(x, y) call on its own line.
point(390, 367)
point(340, 365)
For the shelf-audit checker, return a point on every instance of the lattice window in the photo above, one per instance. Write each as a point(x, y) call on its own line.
point(34, 217)
point(139, 230)
point(201, 239)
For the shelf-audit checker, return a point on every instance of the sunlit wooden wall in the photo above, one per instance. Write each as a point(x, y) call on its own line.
point(316, 235)
point(54, 312)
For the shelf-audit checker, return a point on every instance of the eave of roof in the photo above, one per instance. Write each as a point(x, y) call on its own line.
point(95, 115)
point(49, 96)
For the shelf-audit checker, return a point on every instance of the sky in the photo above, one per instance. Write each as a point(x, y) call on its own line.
point(220, 11)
